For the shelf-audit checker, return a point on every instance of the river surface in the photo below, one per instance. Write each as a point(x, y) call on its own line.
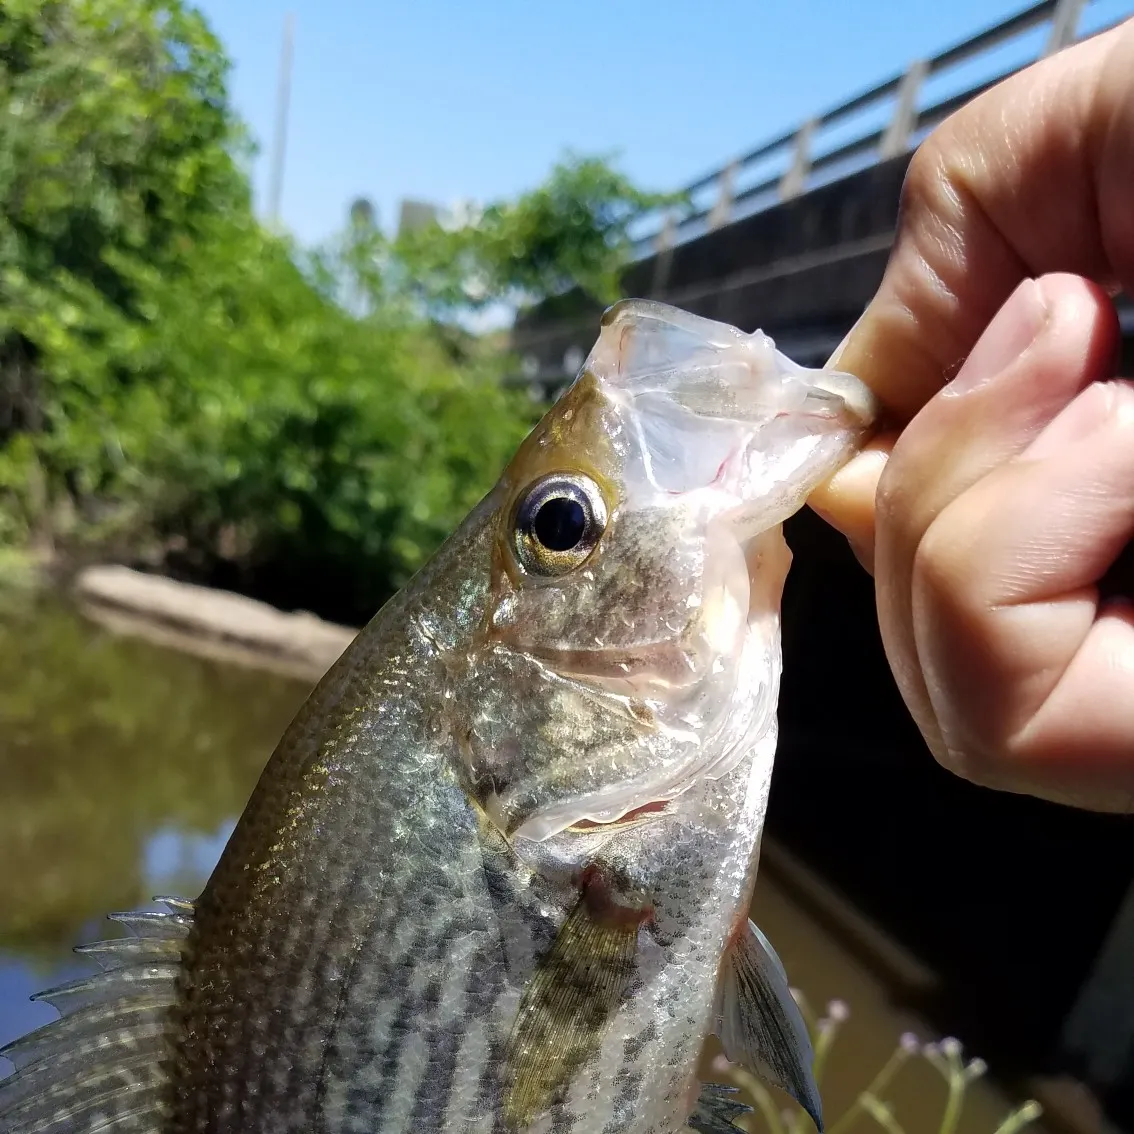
point(124, 767)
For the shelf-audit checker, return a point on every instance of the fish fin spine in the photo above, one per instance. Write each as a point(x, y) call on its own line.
point(759, 1023)
point(715, 1110)
point(104, 1064)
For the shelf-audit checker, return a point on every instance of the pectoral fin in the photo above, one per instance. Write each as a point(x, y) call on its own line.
point(564, 1010)
point(760, 1025)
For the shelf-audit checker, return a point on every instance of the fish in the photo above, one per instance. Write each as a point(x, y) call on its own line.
point(495, 878)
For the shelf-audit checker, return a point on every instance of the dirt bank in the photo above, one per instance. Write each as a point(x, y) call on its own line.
point(211, 623)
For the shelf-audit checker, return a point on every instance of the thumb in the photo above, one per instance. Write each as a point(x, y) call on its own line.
point(846, 500)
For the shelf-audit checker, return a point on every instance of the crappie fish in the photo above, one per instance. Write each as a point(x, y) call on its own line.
point(495, 877)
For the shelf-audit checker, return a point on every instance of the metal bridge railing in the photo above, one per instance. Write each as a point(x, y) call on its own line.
point(877, 124)
point(881, 123)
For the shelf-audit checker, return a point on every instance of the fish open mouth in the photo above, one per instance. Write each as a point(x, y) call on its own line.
point(635, 815)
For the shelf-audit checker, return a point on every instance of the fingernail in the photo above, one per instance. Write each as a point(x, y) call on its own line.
point(1013, 330)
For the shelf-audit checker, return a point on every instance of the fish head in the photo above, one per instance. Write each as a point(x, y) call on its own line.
point(638, 565)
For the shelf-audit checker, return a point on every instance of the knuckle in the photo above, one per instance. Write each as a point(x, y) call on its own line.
point(923, 174)
point(894, 495)
point(941, 564)
point(934, 184)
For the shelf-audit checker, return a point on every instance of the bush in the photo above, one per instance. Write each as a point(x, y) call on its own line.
point(180, 386)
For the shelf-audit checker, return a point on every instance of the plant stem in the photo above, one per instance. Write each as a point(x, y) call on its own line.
point(958, 1081)
point(761, 1097)
point(881, 1113)
point(1020, 1117)
point(877, 1085)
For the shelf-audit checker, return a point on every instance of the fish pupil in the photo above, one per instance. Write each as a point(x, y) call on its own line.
point(560, 523)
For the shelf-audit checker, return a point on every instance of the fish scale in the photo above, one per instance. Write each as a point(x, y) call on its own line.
point(376, 1064)
point(495, 877)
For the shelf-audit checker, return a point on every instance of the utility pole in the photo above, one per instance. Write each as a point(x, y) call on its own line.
point(283, 98)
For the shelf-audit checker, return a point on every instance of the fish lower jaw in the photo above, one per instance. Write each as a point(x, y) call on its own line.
point(582, 820)
point(629, 818)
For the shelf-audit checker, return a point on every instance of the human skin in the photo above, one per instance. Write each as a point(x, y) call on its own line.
point(1004, 491)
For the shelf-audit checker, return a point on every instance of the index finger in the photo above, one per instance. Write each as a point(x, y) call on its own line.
point(1034, 176)
point(1031, 177)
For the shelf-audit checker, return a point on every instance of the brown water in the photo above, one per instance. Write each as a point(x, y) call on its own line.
point(124, 767)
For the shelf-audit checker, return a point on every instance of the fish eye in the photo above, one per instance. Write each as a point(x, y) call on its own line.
point(558, 523)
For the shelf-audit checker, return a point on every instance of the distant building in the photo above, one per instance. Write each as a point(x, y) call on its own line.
point(363, 214)
point(414, 215)
point(462, 213)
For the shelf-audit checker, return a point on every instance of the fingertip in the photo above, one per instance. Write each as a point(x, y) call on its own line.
point(846, 500)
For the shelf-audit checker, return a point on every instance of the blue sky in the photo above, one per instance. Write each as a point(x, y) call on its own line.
point(443, 99)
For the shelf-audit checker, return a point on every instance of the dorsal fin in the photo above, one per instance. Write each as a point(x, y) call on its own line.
point(103, 1065)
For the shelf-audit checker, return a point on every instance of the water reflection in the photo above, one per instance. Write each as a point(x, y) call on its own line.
point(123, 768)
point(170, 856)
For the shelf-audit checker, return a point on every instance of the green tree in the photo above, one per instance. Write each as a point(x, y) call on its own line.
point(116, 145)
point(573, 230)
point(179, 385)
point(117, 152)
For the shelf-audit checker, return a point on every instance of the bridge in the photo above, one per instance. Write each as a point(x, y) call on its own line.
point(793, 236)
point(1005, 920)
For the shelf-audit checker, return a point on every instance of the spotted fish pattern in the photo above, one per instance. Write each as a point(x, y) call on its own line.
point(495, 877)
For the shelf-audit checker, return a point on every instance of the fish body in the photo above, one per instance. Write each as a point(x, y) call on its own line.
point(495, 876)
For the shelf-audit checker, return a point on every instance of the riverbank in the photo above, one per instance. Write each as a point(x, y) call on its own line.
point(215, 624)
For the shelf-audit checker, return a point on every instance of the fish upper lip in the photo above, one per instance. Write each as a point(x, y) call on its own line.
point(643, 344)
point(844, 397)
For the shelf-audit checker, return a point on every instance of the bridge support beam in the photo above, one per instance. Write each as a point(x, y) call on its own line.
point(901, 127)
point(1099, 1032)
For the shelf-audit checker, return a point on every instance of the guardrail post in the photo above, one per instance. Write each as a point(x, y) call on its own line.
point(1064, 25)
point(792, 182)
point(896, 140)
point(721, 212)
point(666, 239)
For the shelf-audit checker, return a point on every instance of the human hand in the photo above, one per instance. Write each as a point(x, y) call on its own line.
point(989, 523)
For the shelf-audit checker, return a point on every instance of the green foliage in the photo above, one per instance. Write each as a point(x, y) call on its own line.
point(181, 385)
point(251, 419)
point(573, 230)
point(116, 147)
point(117, 159)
